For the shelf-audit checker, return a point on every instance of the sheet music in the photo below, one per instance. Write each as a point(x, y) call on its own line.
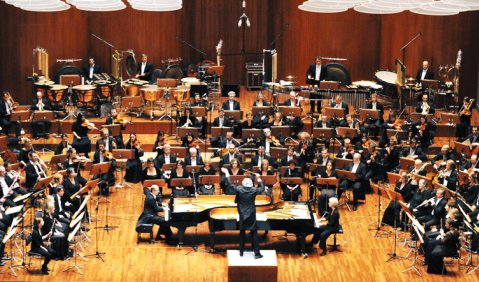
point(13, 210)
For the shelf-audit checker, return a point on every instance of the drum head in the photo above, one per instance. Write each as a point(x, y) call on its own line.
point(174, 71)
point(130, 65)
point(337, 72)
point(67, 70)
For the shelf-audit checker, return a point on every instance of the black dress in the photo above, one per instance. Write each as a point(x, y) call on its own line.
point(205, 189)
point(180, 191)
point(394, 207)
point(133, 171)
point(146, 176)
point(71, 188)
point(59, 240)
point(291, 195)
point(82, 145)
point(39, 248)
point(327, 191)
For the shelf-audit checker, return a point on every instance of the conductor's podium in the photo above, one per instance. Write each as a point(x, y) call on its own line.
point(247, 268)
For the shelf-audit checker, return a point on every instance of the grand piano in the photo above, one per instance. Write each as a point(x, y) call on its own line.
point(186, 212)
point(293, 217)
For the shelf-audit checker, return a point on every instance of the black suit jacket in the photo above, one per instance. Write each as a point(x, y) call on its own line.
point(360, 172)
point(333, 220)
point(419, 109)
point(429, 75)
point(226, 122)
point(147, 73)
point(86, 72)
point(226, 105)
point(160, 160)
point(312, 73)
point(110, 143)
point(223, 142)
point(47, 105)
point(440, 208)
point(343, 106)
point(151, 207)
point(31, 175)
point(3, 108)
point(199, 161)
point(255, 159)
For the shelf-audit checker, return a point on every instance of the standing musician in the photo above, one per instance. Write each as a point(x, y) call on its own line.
point(245, 198)
point(114, 118)
point(35, 170)
point(144, 69)
point(40, 128)
point(425, 107)
point(80, 129)
point(359, 169)
point(291, 192)
point(6, 109)
point(374, 125)
point(424, 72)
point(326, 229)
point(90, 70)
point(133, 170)
point(38, 245)
point(106, 179)
point(149, 215)
point(465, 115)
point(314, 75)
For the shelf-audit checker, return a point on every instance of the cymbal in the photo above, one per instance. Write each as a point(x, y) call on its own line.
point(273, 84)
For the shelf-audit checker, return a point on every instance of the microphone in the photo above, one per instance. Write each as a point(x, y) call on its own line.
point(420, 33)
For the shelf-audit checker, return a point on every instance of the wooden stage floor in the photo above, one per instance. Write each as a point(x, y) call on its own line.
point(363, 257)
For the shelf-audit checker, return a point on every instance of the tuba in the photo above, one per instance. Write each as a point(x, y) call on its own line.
point(115, 64)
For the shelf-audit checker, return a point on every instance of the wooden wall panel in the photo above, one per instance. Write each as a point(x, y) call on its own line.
point(370, 42)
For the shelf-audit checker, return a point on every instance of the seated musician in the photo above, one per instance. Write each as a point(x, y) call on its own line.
point(58, 239)
point(38, 244)
point(444, 245)
point(221, 120)
point(80, 129)
point(295, 122)
point(314, 75)
point(258, 159)
point(35, 170)
point(193, 158)
point(228, 140)
point(63, 208)
point(106, 179)
point(420, 198)
point(305, 150)
point(346, 150)
point(324, 192)
point(425, 107)
point(448, 176)
point(166, 157)
point(418, 168)
point(198, 101)
point(249, 123)
point(180, 172)
point(260, 101)
point(261, 120)
point(74, 161)
point(349, 122)
point(188, 120)
point(231, 104)
point(414, 151)
point(234, 169)
point(17, 174)
point(207, 169)
point(290, 156)
point(6, 109)
point(6, 194)
point(189, 141)
point(233, 153)
point(374, 125)
point(474, 136)
point(391, 215)
point(264, 170)
point(90, 70)
point(374, 165)
point(391, 123)
point(278, 120)
point(269, 141)
point(144, 69)
point(324, 157)
point(63, 146)
point(151, 209)
point(465, 115)
point(391, 155)
point(338, 104)
point(291, 192)
point(151, 172)
point(359, 169)
point(443, 156)
point(110, 143)
point(114, 118)
point(40, 128)
point(160, 141)
point(133, 169)
point(25, 151)
point(472, 164)
point(435, 210)
point(323, 122)
point(72, 184)
point(424, 72)
point(326, 229)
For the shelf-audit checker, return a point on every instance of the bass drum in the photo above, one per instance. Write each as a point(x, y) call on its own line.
point(130, 63)
point(66, 70)
point(174, 71)
point(338, 72)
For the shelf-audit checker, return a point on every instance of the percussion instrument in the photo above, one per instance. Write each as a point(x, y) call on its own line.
point(188, 81)
point(132, 86)
point(387, 79)
point(367, 84)
point(85, 93)
point(338, 72)
point(105, 91)
point(43, 84)
point(180, 94)
point(56, 92)
point(131, 67)
point(67, 70)
point(174, 71)
point(151, 93)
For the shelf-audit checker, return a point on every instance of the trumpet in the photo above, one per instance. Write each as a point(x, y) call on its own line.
point(411, 175)
point(10, 101)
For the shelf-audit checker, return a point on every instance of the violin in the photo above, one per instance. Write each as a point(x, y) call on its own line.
point(423, 126)
point(107, 154)
point(275, 141)
point(88, 124)
point(122, 121)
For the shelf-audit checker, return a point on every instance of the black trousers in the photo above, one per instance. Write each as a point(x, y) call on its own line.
point(356, 187)
point(47, 253)
point(254, 240)
point(322, 235)
point(313, 103)
point(164, 227)
point(289, 195)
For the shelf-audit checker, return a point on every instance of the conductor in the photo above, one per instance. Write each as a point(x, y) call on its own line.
point(245, 199)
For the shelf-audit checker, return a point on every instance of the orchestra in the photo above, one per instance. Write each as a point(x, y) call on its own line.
point(387, 144)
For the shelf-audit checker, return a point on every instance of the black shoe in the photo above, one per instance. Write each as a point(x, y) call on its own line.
point(323, 253)
point(2, 263)
point(355, 207)
point(241, 253)
point(172, 241)
point(160, 238)
point(258, 256)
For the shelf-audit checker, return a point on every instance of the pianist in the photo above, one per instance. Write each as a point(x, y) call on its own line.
point(326, 229)
point(245, 198)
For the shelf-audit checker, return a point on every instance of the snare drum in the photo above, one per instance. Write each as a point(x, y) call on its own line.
point(56, 92)
point(388, 80)
point(151, 93)
point(85, 93)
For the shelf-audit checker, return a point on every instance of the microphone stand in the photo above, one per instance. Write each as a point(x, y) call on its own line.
point(97, 253)
point(110, 46)
point(201, 52)
point(403, 49)
point(393, 255)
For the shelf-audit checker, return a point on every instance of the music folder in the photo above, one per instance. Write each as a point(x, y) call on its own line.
point(346, 174)
point(330, 181)
point(100, 168)
point(150, 182)
point(334, 112)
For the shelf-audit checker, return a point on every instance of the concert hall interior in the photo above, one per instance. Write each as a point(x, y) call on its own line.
point(342, 135)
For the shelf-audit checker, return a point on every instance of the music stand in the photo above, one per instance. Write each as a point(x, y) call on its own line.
point(237, 179)
point(329, 181)
point(6, 238)
point(42, 183)
point(179, 152)
point(346, 174)
point(180, 182)
point(336, 113)
point(57, 160)
point(183, 131)
point(406, 163)
point(449, 118)
point(220, 131)
point(268, 180)
point(166, 82)
point(347, 132)
point(123, 154)
point(70, 238)
point(114, 129)
point(416, 117)
point(292, 181)
point(341, 163)
point(210, 179)
point(400, 134)
point(281, 131)
point(132, 103)
point(430, 84)
point(419, 230)
point(462, 149)
point(150, 182)
point(234, 115)
point(19, 116)
point(393, 178)
point(323, 133)
point(43, 116)
point(259, 111)
point(198, 111)
point(368, 113)
point(277, 152)
point(251, 133)
point(290, 111)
